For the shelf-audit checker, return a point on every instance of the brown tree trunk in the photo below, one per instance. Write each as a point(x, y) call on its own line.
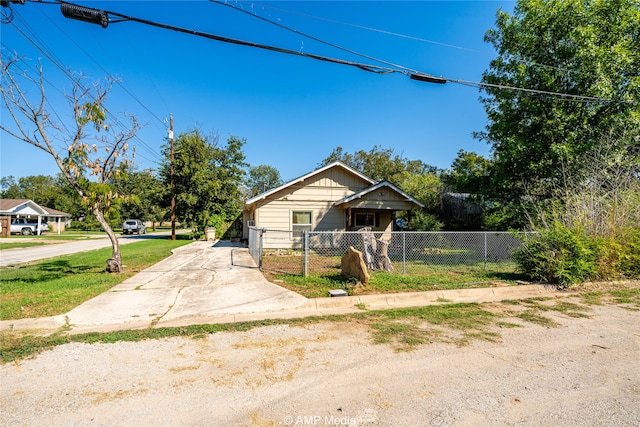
point(114, 264)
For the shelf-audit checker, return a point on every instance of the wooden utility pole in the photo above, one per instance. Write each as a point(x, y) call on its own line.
point(173, 183)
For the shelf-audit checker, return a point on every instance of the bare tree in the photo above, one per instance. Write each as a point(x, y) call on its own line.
point(88, 151)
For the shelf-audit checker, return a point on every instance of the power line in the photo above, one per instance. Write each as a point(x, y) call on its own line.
point(362, 27)
point(362, 66)
point(116, 81)
point(49, 54)
point(119, 83)
point(415, 75)
point(522, 60)
point(312, 37)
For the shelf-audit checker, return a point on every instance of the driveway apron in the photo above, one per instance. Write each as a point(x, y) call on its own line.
point(199, 280)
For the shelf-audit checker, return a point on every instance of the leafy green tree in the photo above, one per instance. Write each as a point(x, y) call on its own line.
point(207, 179)
point(9, 188)
point(143, 194)
point(587, 49)
point(425, 187)
point(92, 152)
point(469, 173)
point(416, 178)
point(229, 167)
point(262, 178)
point(42, 189)
point(380, 164)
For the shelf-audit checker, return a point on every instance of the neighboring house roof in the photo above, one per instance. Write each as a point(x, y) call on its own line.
point(307, 176)
point(54, 212)
point(20, 207)
point(381, 184)
point(27, 207)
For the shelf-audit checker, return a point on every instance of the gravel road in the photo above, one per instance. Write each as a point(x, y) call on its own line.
point(586, 372)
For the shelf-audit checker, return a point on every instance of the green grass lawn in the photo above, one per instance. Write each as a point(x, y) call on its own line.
point(57, 285)
point(414, 275)
point(454, 277)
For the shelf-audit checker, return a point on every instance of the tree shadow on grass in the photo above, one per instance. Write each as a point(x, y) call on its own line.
point(64, 267)
point(47, 271)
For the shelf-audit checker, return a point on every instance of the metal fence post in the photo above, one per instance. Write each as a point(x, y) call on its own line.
point(485, 250)
point(305, 238)
point(404, 252)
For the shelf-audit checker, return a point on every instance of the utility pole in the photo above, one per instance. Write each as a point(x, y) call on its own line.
point(173, 183)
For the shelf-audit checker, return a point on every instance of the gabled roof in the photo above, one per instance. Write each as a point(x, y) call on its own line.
point(14, 206)
point(375, 187)
point(9, 206)
point(307, 176)
point(54, 212)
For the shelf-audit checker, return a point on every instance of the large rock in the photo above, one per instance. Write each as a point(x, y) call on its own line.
point(353, 265)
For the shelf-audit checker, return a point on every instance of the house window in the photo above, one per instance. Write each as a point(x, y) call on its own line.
point(301, 220)
point(367, 220)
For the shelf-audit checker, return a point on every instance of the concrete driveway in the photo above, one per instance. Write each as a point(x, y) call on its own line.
point(201, 280)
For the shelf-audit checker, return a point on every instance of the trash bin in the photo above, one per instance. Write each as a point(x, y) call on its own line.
point(210, 233)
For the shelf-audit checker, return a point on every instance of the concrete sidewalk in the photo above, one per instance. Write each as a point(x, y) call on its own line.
point(219, 283)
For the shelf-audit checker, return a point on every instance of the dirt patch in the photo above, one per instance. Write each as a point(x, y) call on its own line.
point(582, 372)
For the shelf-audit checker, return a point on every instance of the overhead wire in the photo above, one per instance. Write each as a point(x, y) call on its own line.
point(70, 76)
point(55, 87)
point(366, 67)
point(522, 60)
point(277, 24)
point(415, 75)
point(117, 82)
point(362, 27)
point(52, 57)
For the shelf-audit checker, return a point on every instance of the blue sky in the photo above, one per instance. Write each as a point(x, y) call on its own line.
point(292, 111)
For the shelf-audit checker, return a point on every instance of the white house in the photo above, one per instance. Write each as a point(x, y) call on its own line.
point(25, 208)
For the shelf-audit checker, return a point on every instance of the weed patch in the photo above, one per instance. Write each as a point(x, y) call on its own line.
point(532, 316)
point(627, 296)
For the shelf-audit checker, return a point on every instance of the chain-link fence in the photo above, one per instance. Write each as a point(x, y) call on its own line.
point(403, 252)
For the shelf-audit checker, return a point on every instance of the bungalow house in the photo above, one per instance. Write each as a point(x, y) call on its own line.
point(25, 208)
point(334, 197)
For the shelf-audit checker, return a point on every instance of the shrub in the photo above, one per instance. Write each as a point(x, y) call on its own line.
point(558, 255)
point(89, 224)
point(422, 221)
point(630, 255)
point(620, 256)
